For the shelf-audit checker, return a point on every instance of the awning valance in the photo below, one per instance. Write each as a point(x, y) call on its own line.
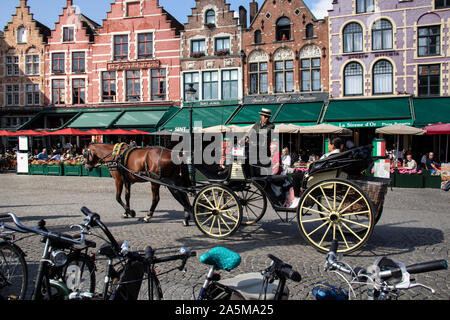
point(431, 111)
point(298, 113)
point(95, 120)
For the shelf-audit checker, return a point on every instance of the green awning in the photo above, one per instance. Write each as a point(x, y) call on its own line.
point(203, 117)
point(95, 120)
point(49, 120)
point(431, 110)
point(249, 114)
point(299, 113)
point(369, 113)
point(134, 119)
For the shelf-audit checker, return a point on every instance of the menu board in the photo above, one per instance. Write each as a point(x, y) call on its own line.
point(382, 169)
point(22, 162)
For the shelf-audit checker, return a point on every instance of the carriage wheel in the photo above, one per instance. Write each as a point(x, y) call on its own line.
point(336, 209)
point(217, 211)
point(254, 203)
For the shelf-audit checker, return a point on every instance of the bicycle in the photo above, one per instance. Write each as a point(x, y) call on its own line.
point(384, 279)
point(13, 267)
point(63, 265)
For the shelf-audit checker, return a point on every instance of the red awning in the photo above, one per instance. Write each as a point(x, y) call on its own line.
point(139, 132)
point(95, 132)
point(117, 132)
point(69, 132)
point(439, 128)
point(28, 133)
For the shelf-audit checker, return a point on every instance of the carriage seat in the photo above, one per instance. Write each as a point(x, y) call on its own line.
point(221, 259)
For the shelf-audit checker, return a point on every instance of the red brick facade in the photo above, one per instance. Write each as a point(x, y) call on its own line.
point(285, 46)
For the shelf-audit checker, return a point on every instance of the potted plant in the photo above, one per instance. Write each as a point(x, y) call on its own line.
point(38, 167)
point(409, 179)
point(221, 53)
point(54, 168)
point(197, 54)
point(432, 180)
point(72, 168)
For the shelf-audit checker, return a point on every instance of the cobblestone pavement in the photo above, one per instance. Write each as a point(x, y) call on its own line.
point(414, 228)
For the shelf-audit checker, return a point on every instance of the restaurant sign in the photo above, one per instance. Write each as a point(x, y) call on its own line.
point(134, 65)
point(372, 124)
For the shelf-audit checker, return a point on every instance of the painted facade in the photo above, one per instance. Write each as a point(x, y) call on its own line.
point(211, 53)
point(286, 51)
point(389, 48)
point(136, 56)
point(21, 68)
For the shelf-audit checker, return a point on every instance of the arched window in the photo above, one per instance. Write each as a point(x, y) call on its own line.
point(353, 79)
point(22, 35)
point(383, 74)
point(382, 35)
point(258, 36)
point(210, 17)
point(309, 30)
point(283, 29)
point(353, 38)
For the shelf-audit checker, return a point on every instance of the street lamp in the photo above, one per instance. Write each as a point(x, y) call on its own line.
point(190, 98)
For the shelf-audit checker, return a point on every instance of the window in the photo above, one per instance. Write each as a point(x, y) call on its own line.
point(58, 92)
point(284, 76)
point(109, 86)
point(210, 85)
point(382, 35)
point(310, 30)
point(429, 41)
point(439, 4)
point(58, 62)
point(383, 77)
point(121, 47)
point(363, 6)
point(353, 38)
point(210, 17)
point(32, 64)
point(33, 95)
point(283, 29)
point(258, 36)
point(429, 80)
point(222, 44)
point(22, 35)
point(12, 95)
point(68, 34)
point(353, 79)
point(78, 91)
point(159, 84)
point(133, 86)
point(198, 46)
point(145, 45)
point(230, 90)
point(310, 71)
point(12, 66)
point(191, 78)
point(78, 62)
point(258, 78)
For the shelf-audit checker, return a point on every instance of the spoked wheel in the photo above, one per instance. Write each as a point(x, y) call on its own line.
point(254, 203)
point(217, 211)
point(336, 209)
point(13, 273)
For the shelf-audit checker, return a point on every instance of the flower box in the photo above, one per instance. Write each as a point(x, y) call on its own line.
point(70, 170)
point(210, 25)
point(38, 169)
point(197, 54)
point(105, 172)
point(431, 181)
point(221, 53)
point(84, 172)
point(55, 170)
point(408, 180)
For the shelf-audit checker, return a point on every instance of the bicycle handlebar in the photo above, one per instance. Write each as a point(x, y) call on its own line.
point(25, 229)
point(285, 270)
point(149, 256)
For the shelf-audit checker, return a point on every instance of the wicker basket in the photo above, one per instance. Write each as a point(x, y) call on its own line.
point(375, 188)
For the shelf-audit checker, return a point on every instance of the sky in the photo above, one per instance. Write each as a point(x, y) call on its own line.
point(47, 11)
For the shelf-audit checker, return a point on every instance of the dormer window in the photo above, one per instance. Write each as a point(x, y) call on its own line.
point(258, 36)
point(210, 17)
point(68, 34)
point(283, 29)
point(363, 6)
point(309, 31)
point(22, 35)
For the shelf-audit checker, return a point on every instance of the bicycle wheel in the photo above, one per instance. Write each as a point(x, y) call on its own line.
point(79, 273)
point(13, 272)
point(150, 289)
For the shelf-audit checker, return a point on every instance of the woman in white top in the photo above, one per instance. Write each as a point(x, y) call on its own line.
point(285, 161)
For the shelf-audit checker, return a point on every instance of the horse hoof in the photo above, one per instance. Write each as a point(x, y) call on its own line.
point(186, 223)
point(146, 219)
point(133, 214)
point(125, 216)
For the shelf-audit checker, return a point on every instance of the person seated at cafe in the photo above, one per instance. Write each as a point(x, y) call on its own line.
point(43, 155)
point(409, 163)
point(67, 155)
point(431, 165)
point(55, 156)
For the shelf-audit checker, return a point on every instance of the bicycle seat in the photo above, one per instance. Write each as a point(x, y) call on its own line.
point(221, 259)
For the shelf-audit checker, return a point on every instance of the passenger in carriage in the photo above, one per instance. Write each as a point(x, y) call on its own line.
point(334, 147)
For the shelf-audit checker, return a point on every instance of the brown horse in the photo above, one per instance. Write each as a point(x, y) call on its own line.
point(152, 162)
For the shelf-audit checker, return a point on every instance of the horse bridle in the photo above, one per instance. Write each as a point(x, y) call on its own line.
point(88, 153)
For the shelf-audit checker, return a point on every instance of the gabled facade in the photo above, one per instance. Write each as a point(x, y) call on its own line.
point(69, 62)
point(136, 56)
point(286, 51)
point(211, 54)
point(21, 68)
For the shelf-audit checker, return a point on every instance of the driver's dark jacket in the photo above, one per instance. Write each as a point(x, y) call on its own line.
point(263, 141)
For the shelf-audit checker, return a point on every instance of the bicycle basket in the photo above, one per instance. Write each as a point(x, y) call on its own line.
point(375, 188)
point(130, 282)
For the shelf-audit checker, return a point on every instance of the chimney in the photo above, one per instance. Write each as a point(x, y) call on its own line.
point(253, 10)
point(23, 3)
point(243, 17)
point(69, 3)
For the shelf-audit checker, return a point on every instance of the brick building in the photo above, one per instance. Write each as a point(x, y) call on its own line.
point(21, 69)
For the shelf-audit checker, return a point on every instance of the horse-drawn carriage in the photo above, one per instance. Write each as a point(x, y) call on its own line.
point(337, 200)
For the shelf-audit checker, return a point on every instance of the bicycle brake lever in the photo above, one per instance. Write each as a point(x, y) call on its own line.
point(423, 286)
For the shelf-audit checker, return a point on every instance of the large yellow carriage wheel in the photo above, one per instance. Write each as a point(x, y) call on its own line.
point(254, 203)
point(217, 211)
point(335, 209)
